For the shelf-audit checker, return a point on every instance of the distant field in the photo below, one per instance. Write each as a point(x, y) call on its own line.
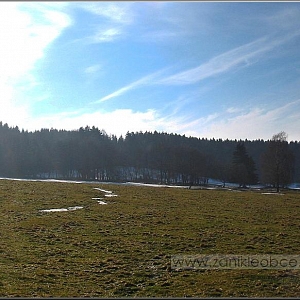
point(123, 248)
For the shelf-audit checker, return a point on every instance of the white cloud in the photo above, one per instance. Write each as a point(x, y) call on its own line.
point(171, 24)
point(117, 122)
point(23, 39)
point(144, 81)
point(258, 123)
point(236, 58)
point(26, 30)
point(11, 112)
point(93, 69)
point(183, 125)
point(115, 12)
point(235, 123)
point(232, 110)
point(115, 18)
point(106, 35)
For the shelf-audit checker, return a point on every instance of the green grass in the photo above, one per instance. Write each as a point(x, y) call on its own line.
point(123, 249)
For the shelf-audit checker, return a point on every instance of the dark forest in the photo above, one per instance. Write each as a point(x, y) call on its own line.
point(150, 157)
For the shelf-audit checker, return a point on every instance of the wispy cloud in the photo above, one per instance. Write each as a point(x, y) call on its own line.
point(237, 123)
point(117, 12)
point(114, 19)
point(106, 35)
point(232, 60)
point(232, 110)
point(93, 69)
point(189, 126)
point(26, 30)
point(257, 123)
point(286, 19)
point(144, 81)
point(236, 58)
point(171, 24)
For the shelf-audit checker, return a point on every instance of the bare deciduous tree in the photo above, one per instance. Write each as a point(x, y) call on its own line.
point(277, 162)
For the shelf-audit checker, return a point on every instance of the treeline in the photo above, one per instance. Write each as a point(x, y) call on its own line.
point(91, 154)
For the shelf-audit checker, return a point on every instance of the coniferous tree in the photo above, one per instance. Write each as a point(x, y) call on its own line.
point(243, 166)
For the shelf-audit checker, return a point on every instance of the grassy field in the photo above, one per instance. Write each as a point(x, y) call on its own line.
point(123, 249)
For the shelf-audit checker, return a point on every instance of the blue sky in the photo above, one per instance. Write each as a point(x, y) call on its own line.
point(204, 69)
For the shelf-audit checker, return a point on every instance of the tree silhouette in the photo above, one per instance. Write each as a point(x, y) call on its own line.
point(91, 154)
point(278, 162)
point(243, 166)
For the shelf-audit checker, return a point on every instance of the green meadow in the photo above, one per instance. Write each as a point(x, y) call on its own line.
point(123, 248)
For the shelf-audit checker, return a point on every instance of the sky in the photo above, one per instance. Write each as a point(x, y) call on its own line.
point(203, 69)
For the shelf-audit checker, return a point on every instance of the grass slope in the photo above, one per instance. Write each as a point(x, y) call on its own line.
point(123, 249)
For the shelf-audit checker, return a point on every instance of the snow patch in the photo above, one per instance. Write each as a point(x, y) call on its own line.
point(156, 185)
point(99, 200)
point(107, 194)
point(62, 209)
point(219, 183)
point(272, 194)
point(54, 210)
point(62, 181)
point(294, 186)
point(102, 202)
point(104, 191)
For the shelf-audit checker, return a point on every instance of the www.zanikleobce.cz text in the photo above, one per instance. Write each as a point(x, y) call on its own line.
point(235, 261)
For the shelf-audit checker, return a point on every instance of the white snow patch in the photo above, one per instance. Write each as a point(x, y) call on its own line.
point(75, 207)
point(42, 180)
point(62, 209)
point(102, 202)
point(104, 191)
point(99, 200)
point(156, 185)
point(62, 181)
point(54, 210)
point(294, 186)
point(107, 194)
point(272, 194)
point(17, 179)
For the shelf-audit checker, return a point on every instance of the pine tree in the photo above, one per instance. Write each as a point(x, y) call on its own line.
point(243, 166)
